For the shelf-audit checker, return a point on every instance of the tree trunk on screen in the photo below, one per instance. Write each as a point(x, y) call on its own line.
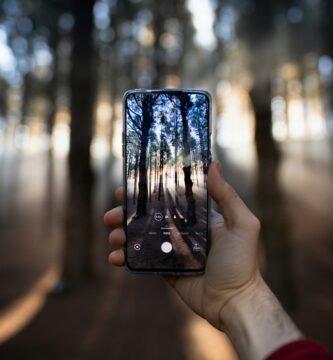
point(162, 155)
point(147, 119)
point(135, 176)
point(155, 167)
point(79, 245)
point(176, 157)
point(203, 151)
point(150, 178)
point(191, 216)
point(129, 165)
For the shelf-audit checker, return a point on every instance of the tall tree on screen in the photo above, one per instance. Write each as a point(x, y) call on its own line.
point(153, 149)
point(163, 149)
point(146, 103)
point(185, 107)
point(175, 141)
point(174, 131)
point(132, 154)
point(200, 125)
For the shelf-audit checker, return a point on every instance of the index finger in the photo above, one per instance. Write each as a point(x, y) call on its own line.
point(114, 217)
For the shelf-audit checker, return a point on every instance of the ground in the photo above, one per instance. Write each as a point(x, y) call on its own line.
point(125, 316)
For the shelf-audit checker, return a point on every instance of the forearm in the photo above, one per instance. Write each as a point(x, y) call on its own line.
point(256, 322)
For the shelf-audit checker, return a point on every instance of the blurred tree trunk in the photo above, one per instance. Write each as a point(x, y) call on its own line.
point(275, 229)
point(327, 31)
point(3, 98)
point(327, 27)
point(158, 58)
point(182, 68)
point(272, 212)
point(51, 93)
point(51, 90)
point(121, 80)
point(26, 97)
point(79, 245)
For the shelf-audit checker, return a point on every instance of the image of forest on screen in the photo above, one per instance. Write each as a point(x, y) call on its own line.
point(167, 148)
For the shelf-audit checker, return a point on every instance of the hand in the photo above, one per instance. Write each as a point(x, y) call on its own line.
point(232, 262)
point(231, 294)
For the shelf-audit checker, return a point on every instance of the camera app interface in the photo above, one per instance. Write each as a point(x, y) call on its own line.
point(166, 137)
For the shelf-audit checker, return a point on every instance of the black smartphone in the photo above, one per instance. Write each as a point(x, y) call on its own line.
point(166, 157)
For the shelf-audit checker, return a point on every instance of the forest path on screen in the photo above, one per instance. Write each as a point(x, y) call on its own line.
point(166, 222)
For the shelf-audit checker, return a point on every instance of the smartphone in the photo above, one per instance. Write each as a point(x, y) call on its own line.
point(166, 147)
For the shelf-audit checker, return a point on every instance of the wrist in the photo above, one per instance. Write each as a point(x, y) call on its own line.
point(255, 321)
point(239, 299)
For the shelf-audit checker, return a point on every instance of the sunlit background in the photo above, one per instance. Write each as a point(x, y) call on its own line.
point(64, 66)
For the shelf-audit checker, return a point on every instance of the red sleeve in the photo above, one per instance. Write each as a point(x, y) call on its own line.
point(301, 350)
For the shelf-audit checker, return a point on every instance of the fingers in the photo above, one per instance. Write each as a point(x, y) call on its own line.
point(117, 238)
point(114, 217)
point(233, 209)
point(117, 257)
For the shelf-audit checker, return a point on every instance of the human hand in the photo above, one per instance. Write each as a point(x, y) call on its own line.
point(231, 267)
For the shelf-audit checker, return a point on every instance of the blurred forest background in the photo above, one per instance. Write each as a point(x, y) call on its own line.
point(64, 66)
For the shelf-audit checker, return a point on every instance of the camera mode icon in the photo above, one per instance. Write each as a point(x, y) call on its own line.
point(137, 247)
point(158, 216)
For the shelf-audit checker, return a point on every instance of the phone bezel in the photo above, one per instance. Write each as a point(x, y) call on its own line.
point(162, 271)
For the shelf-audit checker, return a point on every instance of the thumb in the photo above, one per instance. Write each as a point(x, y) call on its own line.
point(233, 209)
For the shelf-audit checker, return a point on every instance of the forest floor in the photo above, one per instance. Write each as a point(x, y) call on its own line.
point(125, 316)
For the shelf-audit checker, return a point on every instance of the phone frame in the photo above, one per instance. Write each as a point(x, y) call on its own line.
point(175, 272)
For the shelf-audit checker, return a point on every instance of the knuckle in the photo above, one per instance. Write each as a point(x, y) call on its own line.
point(255, 223)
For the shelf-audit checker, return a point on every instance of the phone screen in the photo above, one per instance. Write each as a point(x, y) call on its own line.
point(166, 149)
